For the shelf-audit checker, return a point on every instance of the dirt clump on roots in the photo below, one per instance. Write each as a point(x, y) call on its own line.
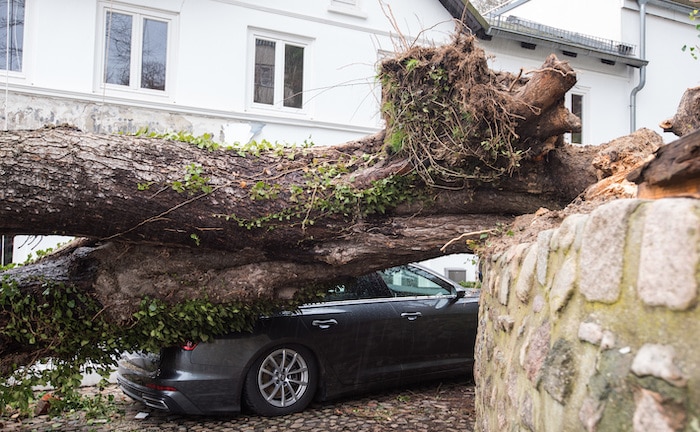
point(449, 113)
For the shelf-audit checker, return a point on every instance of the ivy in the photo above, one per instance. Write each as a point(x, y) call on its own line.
point(193, 181)
point(69, 328)
point(206, 142)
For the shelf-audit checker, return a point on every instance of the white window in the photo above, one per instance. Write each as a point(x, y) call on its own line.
point(456, 275)
point(577, 110)
point(136, 48)
point(279, 66)
point(577, 102)
point(11, 34)
point(347, 7)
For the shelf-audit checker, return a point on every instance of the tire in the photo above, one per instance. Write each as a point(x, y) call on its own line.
point(281, 381)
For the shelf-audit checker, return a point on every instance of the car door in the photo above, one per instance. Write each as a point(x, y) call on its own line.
point(438, 320)
point(352, 330)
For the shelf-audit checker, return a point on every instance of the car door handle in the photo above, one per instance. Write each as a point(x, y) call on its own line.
point(411, 316)
point(324, 324)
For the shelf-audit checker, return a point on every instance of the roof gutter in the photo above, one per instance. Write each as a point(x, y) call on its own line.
point(643, 68)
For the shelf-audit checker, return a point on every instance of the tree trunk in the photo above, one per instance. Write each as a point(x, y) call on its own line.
point(175, 221)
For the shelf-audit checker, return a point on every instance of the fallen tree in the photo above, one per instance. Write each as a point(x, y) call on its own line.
point(184, 220)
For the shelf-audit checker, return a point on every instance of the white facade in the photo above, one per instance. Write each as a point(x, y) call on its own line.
point(606, 88)
point(210, 65)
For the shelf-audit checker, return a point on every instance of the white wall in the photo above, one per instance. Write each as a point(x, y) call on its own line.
point(463, 261)
point(670, 71)
point(210, 73)
point(605, 88)
point(608, 88)
point(25, 247)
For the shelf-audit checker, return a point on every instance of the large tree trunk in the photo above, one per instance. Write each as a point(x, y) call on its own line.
point(174, 221)
point(63, 181)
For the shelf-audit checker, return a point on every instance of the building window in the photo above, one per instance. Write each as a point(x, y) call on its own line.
point(279, 73)
point(6, 247)
point(347, 7)
point(135, 49)
point(456, 275)
point(11, 34)
point(577, 110)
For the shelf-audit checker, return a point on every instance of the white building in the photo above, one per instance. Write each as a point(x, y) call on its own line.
point(627, 54)
point(238, 69)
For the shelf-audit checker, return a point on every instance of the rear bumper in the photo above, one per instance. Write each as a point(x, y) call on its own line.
point(167, 400)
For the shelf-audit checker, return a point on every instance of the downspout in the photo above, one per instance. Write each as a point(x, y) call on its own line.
point(643, 68)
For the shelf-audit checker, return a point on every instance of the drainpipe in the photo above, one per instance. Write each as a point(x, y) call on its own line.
point(643, 68)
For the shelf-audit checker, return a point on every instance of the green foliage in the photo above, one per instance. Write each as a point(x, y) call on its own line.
point(412, 64)
point(323, 191)
point(263, 191)
point(471, 284)
point(396, 139)
point(68, 328)
point(693, 50)
point(204, 141)
point(193, 181)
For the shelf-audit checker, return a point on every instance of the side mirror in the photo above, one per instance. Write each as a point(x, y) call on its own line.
point(459, 294)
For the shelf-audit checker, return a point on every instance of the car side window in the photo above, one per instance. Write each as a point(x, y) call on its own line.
point(363, 287)
point(407, 281)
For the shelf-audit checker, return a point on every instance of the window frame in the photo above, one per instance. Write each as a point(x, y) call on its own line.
point(281, 41)
point(351, 8)
point(23, 48)
point(583, 93)
point(139, 16)
point(438, 288)
point(450, 270)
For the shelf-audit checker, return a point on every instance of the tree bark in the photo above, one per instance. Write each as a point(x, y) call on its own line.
point(687, 117)
point(172, 221)
point(63, 181)
point(673, 172)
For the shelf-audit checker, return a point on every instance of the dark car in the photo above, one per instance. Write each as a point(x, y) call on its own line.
point(393, 327)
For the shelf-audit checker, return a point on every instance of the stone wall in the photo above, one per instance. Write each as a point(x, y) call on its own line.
point(596, 326)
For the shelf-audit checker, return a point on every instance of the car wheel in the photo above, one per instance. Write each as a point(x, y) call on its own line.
point(281, 381)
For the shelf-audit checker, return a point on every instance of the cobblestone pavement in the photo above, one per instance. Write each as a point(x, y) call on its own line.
point(436, 407)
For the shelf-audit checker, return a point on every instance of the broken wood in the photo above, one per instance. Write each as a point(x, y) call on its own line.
point(673, 172)
point(687, 117)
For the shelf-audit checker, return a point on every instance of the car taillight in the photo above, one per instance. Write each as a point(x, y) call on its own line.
point(160, 387)
point(189, 346)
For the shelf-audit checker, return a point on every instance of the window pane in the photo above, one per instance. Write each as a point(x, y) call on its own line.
point(6, 246)
point(118, 48)
point(293, 76)
point(577, 110)
point(457, 275)
point(155, 47)
point(403, 281)
point(11, 54)
point(264, 86)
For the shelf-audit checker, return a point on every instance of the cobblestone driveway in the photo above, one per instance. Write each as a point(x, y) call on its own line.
point(438, 407)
